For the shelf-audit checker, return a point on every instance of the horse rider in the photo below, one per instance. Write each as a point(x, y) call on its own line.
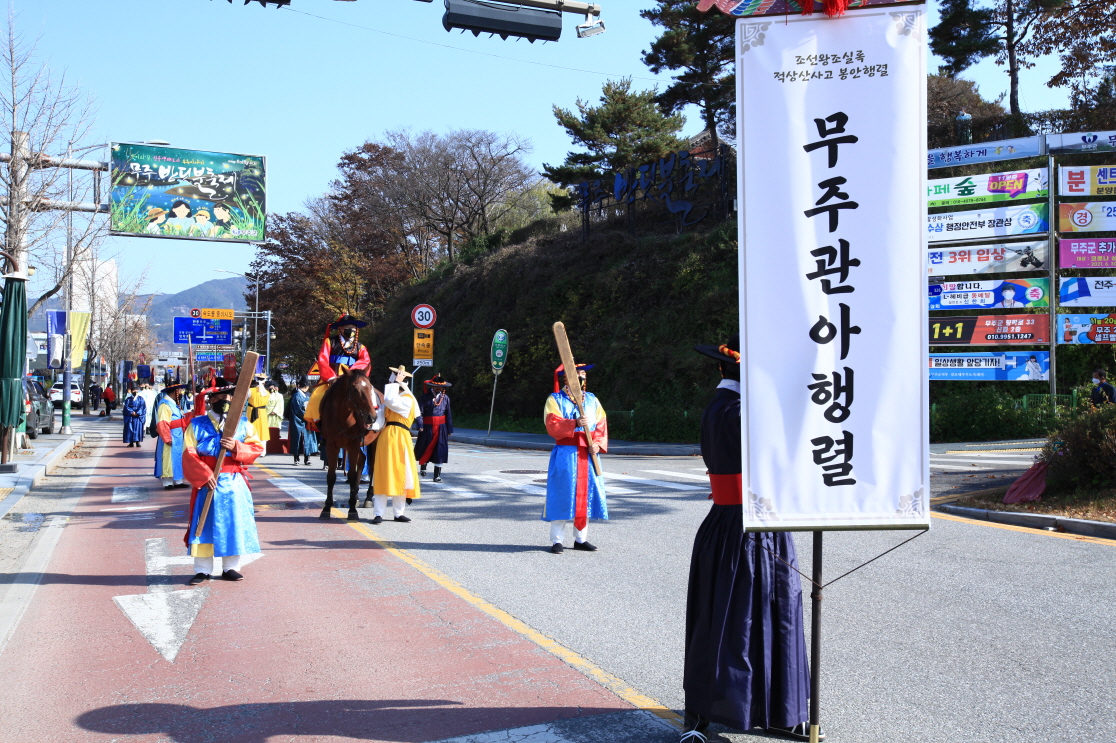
point(339, 353)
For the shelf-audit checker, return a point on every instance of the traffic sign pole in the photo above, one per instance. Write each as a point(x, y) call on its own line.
point(498, 356)
point(492, 407)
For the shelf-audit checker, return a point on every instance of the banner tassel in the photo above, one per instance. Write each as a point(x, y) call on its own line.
point(833, 8)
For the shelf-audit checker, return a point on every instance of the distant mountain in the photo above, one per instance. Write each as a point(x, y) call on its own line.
point(218, 293)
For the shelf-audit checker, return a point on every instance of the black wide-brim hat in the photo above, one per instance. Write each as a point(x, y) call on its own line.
point(220, 386)
point(173, 387)
point(347, 319)
point(714, 352)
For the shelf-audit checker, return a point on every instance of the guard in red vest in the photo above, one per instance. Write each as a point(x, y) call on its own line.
point(435, 426)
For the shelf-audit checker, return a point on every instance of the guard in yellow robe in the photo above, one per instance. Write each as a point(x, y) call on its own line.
point(395, 474)
point(257, 409)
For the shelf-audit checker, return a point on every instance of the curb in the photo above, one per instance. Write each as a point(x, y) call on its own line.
point(35, 473)
point(1081, 527)
point(650, 450)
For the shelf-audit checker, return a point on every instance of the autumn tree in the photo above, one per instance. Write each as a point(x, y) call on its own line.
point(946, 96)
point(970, 31)
point(1083, 34)
point(700, 46)
point(628, 128)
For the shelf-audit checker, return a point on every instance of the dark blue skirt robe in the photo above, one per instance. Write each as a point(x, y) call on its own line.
point(135, 413)
point(438, 435)
point(746, 664)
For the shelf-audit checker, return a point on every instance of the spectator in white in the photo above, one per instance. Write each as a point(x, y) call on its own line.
point(1103, 392)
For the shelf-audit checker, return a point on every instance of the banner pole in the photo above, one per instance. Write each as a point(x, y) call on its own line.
point(815, 640)
point(492, 407)
point(1055, 290)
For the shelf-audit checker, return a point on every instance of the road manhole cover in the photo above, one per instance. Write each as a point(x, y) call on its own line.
point(522, 472)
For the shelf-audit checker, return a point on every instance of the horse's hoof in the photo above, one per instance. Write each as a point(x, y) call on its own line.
point(324, 515)
point(353, 516)
point(367, 503)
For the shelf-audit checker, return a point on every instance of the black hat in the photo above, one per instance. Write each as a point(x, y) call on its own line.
point(173, 387)
point(727, 352)
point(304, 381)
point(347, 319)
point(437, 381)
point(220, 386)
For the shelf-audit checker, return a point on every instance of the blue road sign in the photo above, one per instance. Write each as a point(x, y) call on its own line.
point(201, 330)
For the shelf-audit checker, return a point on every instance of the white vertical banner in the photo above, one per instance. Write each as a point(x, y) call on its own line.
point(835, 395)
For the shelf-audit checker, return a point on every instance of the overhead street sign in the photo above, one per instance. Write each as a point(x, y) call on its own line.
point(424, 316)
point(198, 330)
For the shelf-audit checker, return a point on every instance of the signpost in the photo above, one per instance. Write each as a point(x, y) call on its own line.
point(424, 316)
point(498, 357)
point(202, 331)
point(423, 348)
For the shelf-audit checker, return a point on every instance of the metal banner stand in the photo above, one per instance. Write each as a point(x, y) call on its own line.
point(815, 640)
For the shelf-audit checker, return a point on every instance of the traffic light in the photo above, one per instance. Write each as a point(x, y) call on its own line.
point(503, 20)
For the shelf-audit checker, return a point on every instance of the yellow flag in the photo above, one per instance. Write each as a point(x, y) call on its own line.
point(79, 333)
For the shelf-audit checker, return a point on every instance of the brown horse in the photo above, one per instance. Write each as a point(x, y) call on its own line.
point(348, 410)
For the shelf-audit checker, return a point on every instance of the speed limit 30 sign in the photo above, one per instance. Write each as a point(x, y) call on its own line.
point(424, 316)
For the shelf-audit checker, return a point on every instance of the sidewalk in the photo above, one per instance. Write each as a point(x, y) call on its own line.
point(46, 452)
point(1008, 445)
point(508, 440)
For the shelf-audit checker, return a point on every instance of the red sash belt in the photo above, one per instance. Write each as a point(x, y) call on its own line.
point(727, 489)
point(435, 422)
point(229, 465)
point(579, 439)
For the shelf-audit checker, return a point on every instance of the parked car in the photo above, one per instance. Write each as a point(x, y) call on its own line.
point(56, 394)
point(38, 409)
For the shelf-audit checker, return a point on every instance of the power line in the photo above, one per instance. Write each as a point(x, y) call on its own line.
point(483, 54)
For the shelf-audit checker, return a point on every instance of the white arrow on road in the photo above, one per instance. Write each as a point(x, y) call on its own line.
point(162, 615)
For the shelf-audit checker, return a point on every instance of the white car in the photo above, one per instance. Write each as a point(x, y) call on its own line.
point(56, 394)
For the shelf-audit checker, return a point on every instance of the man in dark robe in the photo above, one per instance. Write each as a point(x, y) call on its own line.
point(135, 413)
point(746, 664)
point(435, 426)
point(301, 439)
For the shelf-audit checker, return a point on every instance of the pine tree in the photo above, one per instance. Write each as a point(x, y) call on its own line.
point(626, 129)
point(701, 46)
point(968, 32)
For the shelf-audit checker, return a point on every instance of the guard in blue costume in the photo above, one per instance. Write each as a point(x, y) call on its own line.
point(135, 413)
point(301, 439)
point(573, 489)
point(435, 426)
point(230, 526)
point(746, 664)
point(169, 423)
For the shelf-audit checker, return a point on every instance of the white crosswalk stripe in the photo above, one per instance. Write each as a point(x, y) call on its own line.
point(668, 473)
point(656, 483)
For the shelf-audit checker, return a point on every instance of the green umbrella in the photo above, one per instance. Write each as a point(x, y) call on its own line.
point(13, 350)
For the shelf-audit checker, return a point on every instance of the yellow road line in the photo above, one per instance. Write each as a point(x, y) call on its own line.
point(1024, 529)
point(986, 451)
point(271, 472)
point(616, 685)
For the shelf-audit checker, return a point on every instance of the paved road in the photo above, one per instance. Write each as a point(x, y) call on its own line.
point(969, 633)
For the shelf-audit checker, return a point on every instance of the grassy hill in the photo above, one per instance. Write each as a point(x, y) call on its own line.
point(634, 306)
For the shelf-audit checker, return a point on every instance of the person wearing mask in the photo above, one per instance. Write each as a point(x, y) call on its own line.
point(169, 422)
point(573, 489)
point(1103, 392)
point(302, 440)
point(95, 396)
point(110, 399)
point(435, 426)
point(745, 646)
point(135, 413)
point(229, 531)
point(274, 405)
point(337, 355)
point(149, 400)
point(257, 408)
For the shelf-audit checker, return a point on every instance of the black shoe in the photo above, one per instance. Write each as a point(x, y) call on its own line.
point(403, 519)
point(408, 501)
point(377, 520)
point(557, 549)
point(231, 575)
point(182, 484)
point(422, 472)
point(801, 731)
point(436, 479)
point(168, 487)
point(693, 728)
point(307, 462)
point(198, 579)
point(584, 546)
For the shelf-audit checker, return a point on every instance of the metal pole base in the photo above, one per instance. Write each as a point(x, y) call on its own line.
point(65, 431)
point(814, 732)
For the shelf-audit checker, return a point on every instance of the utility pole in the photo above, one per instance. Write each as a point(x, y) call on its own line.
point(68, 291)
point(267, 364)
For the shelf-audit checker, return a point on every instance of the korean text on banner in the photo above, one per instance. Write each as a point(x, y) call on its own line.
point(994, 258)
point(1011, 366)
point(1087, 291)
point(1087, 180)
point(1000, 222)
point(989, 330)
point(988, 188)
point(834, 395)
point(1087, 253)
point(1098, 328)
point(986, 152)
point(995, 294)
point(1099, 216)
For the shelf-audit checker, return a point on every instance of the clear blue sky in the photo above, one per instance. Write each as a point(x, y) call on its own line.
point(300, 89)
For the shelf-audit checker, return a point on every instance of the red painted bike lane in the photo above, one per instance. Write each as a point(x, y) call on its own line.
point(329, 637)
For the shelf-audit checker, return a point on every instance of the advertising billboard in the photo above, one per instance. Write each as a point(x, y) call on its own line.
point(1087, 252)
point(1087, 291)
point(1078, 329)
point(987, 258)
point(1087, 180)
point(986, 152)
point(1004, 366)
point(987, 188)
point(1003, 221)
point(167, 192)
point(1078, 142)
point(1094, 216)
point(986, 295)
point(989, 330)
